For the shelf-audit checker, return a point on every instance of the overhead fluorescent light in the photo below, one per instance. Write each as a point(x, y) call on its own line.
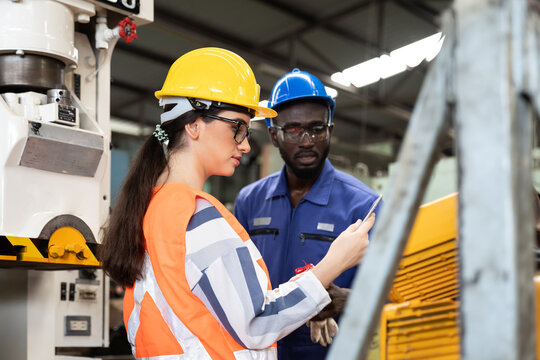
point(364, 73)
point(340, 79)
point(387, 65)
point(413, 54)
point(435, 49)
point(331, 91)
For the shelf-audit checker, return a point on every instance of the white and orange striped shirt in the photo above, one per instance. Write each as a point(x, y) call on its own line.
point(205, 291)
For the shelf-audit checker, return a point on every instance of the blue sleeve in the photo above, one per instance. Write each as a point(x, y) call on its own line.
point(240, 209)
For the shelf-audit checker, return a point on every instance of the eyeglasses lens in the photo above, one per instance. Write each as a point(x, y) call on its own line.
point(241, 132)
point(315, 132)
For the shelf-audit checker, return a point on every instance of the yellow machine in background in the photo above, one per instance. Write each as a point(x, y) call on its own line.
point(423, 320)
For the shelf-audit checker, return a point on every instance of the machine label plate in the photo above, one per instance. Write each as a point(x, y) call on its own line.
point(67, 113)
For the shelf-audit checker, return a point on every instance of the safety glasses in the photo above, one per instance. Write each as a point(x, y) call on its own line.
point(242, 130)
point(295, 133)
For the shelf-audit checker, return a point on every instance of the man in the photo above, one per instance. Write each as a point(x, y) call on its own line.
point(293, 216)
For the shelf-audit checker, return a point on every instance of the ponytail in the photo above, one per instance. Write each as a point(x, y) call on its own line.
point(122, 249)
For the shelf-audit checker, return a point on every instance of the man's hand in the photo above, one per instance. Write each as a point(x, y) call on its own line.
point(323, 332)
point(339, 297)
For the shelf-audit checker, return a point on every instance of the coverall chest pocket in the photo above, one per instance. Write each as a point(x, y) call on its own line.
point(315, 246)
point(263, 238)
point(306, 237)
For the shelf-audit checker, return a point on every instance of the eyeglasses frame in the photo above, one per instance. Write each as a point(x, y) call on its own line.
point(238, 124)
point(305, 130)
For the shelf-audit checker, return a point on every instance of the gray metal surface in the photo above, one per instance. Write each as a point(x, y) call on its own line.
point(62, 149)
point(406, 187)
point(14, 285)
point(30, 72)
point(494, 127)
point(60, 96)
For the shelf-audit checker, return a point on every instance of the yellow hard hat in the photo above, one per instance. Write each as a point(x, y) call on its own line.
point(214, 74)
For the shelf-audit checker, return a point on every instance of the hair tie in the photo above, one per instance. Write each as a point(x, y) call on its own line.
point(161, 135)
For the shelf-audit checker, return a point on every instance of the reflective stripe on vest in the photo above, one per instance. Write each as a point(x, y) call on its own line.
point(193, 348)
point(269, 353)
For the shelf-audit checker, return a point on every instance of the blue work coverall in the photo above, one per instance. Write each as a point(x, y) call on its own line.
point(289, 237)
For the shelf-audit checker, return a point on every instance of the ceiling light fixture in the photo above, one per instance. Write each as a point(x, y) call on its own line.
point(331, 91)
point(387, 65)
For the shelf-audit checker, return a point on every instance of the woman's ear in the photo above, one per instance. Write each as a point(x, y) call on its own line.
point(193, 129)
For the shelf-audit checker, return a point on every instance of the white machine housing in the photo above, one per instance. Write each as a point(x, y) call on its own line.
point(55, 164)
point(48, 169)
point(48, 309)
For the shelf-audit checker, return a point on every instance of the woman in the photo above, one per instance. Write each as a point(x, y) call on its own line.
point(196, 286)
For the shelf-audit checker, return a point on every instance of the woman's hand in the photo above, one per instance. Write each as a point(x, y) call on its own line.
point(346, 251)
point(350, 246)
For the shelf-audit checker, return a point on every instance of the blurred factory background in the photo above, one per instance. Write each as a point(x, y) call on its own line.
point(372, 54)
point(77, 82)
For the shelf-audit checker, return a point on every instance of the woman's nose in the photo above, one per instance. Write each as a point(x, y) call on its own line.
point(244, 146)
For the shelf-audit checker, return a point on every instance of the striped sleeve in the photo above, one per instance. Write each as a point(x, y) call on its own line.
point(222, 271)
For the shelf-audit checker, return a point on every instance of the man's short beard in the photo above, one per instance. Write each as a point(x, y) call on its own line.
point(308, 173)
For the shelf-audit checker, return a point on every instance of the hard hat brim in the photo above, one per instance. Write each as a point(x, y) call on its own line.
point(259, 110)
point(264, 111)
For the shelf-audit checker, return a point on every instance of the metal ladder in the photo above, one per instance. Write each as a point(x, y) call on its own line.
point(483, 88)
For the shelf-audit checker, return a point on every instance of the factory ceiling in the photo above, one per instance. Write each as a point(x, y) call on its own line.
point(275, 36)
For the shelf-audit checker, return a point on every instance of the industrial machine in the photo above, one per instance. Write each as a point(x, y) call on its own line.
point(423, 319)
point(55, 169)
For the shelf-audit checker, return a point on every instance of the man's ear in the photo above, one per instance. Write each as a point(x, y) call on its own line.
point(273, 136)
point(330, 129)
point(193, 129)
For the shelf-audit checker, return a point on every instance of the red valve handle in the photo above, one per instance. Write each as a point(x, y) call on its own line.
point(299, 270)
point(128, 29)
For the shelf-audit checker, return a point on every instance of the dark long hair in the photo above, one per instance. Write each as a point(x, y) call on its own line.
point(122, 249)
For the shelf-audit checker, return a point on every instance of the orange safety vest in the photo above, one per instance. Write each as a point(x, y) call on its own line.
point(163, 318)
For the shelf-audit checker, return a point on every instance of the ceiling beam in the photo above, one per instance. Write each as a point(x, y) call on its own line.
point(311, 24)
point(322, 57)
point(314, 22)
point(420, 10)
point(187, 28)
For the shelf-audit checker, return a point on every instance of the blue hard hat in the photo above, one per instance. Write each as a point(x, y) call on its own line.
point(299, 85)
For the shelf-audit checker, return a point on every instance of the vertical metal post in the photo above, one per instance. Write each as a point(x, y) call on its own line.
point(493, 128)
point(415, 163)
